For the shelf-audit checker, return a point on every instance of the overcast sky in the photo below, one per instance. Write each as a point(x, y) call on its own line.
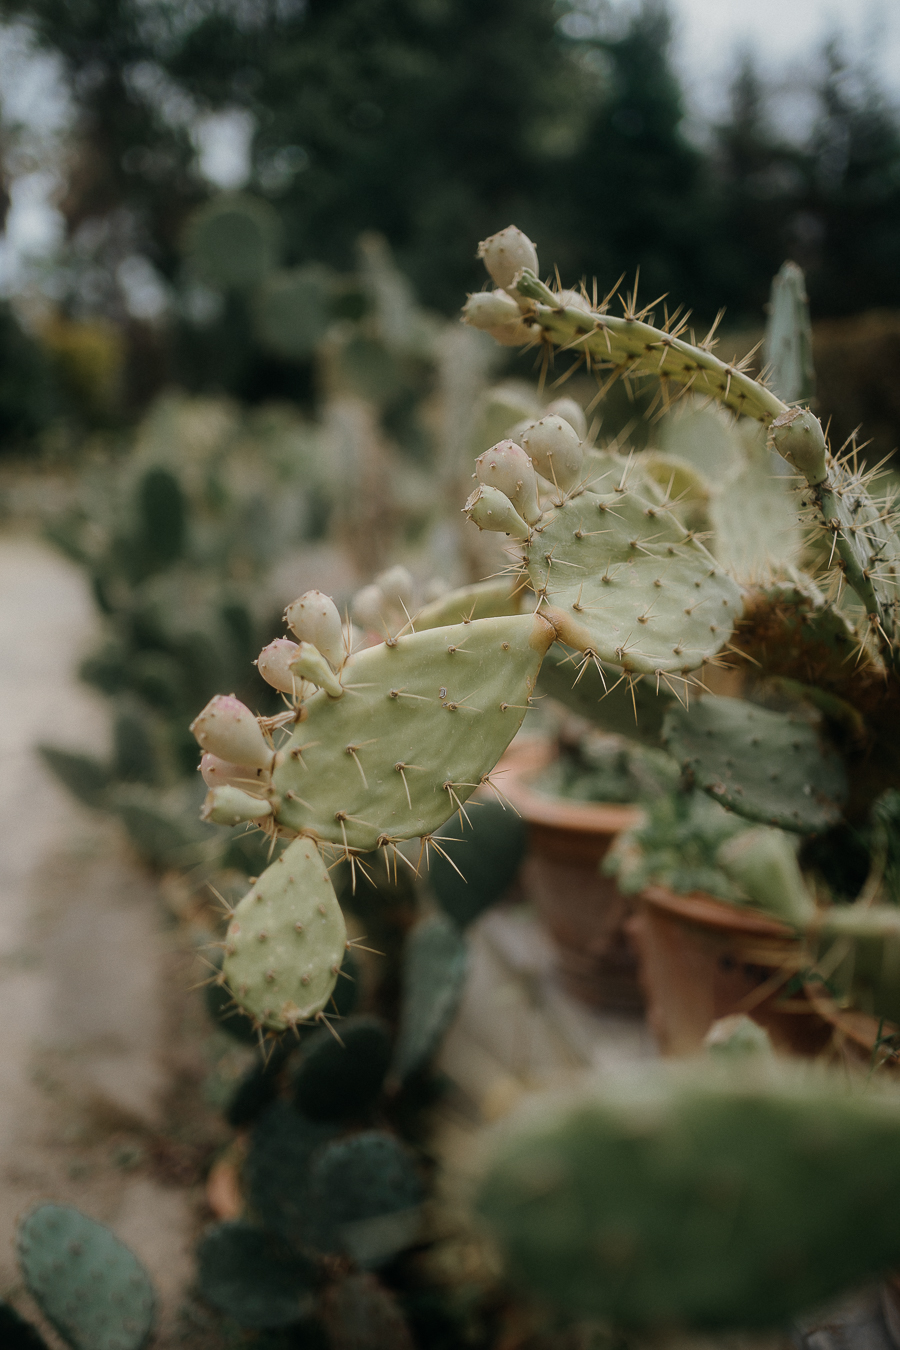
point(784, 34)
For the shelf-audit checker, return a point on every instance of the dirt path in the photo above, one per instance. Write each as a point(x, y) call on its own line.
point(86, 960)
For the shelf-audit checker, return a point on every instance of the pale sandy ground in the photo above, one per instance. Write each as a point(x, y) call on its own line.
point(84, 952)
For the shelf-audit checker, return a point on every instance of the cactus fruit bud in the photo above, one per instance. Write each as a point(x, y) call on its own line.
point(396, 585)
point(231, 806)
point(310, 664)
point(556, 451)
point(491, 509)
point(798, 437)
point(736, 1036)
point(490, 309)
point(219, 773)
point(512, 334)
point(315, 618)
point(570, 412)
point(506, 253)
point(226, 727)
point(507, 467)
point(274, 664)
point(369, 607)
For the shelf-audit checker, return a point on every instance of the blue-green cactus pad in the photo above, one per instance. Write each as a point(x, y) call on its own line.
point(365, 1194)
point(773, 767)
point(434, 974)
point(87, 1283)
point(253, 1276)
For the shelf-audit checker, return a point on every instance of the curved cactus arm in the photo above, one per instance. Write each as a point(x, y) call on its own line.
point(639, 348)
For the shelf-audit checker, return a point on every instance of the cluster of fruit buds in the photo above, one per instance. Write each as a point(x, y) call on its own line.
point(239, 756)
point(510, 476)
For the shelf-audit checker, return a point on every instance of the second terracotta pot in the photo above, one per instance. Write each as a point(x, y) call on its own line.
point(582, 910)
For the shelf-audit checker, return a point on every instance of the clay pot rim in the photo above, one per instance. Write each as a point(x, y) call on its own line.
point(709, 912)
point(523, 761)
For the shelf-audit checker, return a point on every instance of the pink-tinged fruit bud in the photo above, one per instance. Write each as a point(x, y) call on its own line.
point(507, 467)
point(556, 452)
point(573, 300)
point(220, 773)
point(315, 618)
point(231, 806)
point(505, 254)
point(227, 728)
point(490, 309)
point(274, 665)
point(310, 664)
point(491, 509)
point(512, 334)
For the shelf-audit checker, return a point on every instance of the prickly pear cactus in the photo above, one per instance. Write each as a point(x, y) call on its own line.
point(87, 1283)
point(698, 1200)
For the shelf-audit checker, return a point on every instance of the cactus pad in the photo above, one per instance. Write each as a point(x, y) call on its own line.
point(276, 1172)
point(360, 1314)
point(622, 578)
point(16, 1333)
point(868, 940)
point(490, 852)
point(634, 708)
point(422, 720)
point(714, 1201)
point(365, 1195)
point(250, 1275)
point(340, 1079)
point(87, 1283)
point(772, 767)
point(286, 941)
point(434, 973)
point(481, 600)
point(233, 240)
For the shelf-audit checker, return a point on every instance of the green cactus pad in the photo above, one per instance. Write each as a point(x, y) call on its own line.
point(633, 708)
point(258, 1086)
point(339, 1079)
point(87, 1283)
point(286, 941)
point(365, 1194)
point(772, 767)
point(868, 943)
point(434, 973)
point(16, 1333)
point(702, 1200)
point(276, 1171)
point(233, 241)
point(292, 310)
point(621, 577)
point(86, 778)
point(490, 851)
point(482, 600)
point(251, 1276)
point(422, 720)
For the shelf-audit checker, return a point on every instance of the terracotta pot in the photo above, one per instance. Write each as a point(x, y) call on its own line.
point(582, 909)
point(702, 959)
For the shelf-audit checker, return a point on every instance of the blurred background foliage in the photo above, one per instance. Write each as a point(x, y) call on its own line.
point(432, 123)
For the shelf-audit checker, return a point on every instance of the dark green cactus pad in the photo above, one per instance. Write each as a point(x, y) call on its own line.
point(85, 777)
point(490, 851)
point(868, 943)
point(702, 1200)
point(135, 756)
point(365, 1195)
point(422, 721)
point(360, 1314)
point(16, 1333)
point(233, 241)
point(254, 1277)
point(162, 521)
point(258, 1087)
point(87, 1283)
point(621, 577)
point(339, 1079)
point(434, 975)
point(772, 767)
point(292, 310)
point(276, 1171)
point(633, 708)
